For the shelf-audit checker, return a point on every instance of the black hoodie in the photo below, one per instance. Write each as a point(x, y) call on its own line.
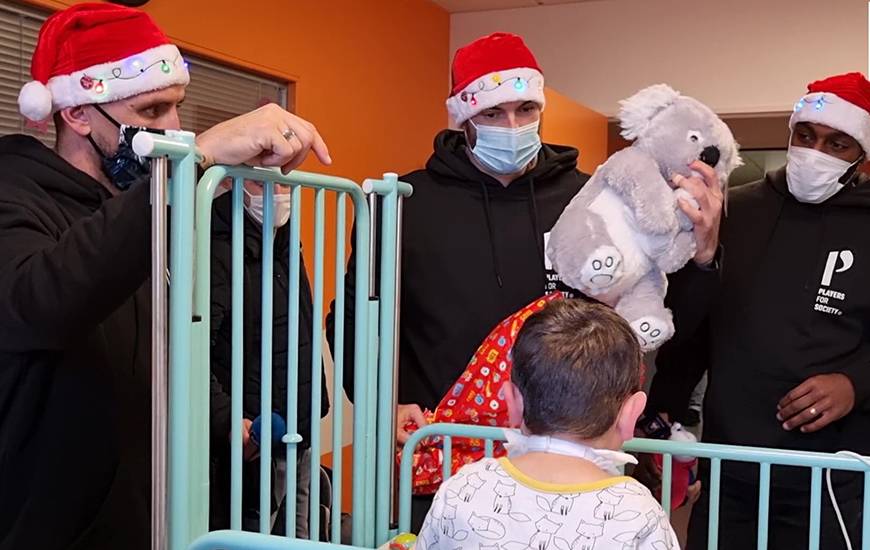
point(74, 348)
point(791, 301)
point(472, 254)
point(221, 324)
point(221, 348)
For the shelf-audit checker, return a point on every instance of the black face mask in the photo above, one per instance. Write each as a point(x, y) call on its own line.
point(124, 167)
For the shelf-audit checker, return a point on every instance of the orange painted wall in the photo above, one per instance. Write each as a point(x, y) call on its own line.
point(371, 75)
point(567, 122)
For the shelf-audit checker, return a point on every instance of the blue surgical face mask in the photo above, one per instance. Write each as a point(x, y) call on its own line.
point(506, 150)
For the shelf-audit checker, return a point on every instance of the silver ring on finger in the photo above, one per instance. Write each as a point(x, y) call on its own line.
point(813, 411)
point(288, 134)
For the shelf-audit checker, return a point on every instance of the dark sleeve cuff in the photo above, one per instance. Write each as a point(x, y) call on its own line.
point(715, 264)
point(691, 292)
point(679, 368)
point(859, 375)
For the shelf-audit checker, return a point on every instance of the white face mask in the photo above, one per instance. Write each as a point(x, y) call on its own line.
point(506, 150)
point(281, 213)
point(814, 177)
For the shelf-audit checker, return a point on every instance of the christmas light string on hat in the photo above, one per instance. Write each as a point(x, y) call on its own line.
point(841, 102)
point(100, 83)
point(520, 84)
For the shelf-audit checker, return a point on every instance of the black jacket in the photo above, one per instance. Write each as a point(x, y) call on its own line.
point(221, 326)
point(472, 253)
point(74, 356)
point(783, 307)
point(221, 350)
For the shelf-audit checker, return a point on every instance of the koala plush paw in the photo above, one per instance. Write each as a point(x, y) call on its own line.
point(651, 331)
point(602, 269)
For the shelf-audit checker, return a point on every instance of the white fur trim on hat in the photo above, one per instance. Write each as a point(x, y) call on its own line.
point(831, 110)
point(151, 70)
point(495, 88)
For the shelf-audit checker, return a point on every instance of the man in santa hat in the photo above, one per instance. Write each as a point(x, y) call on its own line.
point(474, 234)
point(788, 309)
point(74, 259)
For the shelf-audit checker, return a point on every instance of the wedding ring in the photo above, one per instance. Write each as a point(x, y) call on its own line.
point(813, 411)
point(288, 134)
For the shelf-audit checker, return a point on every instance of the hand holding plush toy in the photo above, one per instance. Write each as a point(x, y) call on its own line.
point(624, 230)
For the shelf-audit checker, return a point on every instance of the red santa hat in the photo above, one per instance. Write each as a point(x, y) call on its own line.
point(495, 69)
point(841, 102)
point(98, 53)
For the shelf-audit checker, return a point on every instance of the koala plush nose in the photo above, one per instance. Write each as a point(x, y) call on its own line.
point(710, 155)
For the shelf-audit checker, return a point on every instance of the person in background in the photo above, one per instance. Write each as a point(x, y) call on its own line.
point(788, 306)
point(221, 358)
point(75, 307)
point(475, 231)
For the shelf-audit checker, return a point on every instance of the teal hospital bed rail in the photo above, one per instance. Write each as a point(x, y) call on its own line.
point(181, 265)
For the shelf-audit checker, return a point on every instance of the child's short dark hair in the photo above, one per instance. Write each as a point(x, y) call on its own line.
point(575, 362)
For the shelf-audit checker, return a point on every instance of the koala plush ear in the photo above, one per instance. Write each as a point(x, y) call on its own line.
point(636, 112)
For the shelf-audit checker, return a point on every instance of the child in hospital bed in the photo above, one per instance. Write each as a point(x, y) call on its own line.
point(476, 398)
point(575, 393)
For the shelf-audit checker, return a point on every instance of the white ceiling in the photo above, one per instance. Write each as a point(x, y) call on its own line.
point(458, 6)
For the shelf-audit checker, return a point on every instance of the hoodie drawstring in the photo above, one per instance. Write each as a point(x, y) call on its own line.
point(536, 226)
point(496, 265)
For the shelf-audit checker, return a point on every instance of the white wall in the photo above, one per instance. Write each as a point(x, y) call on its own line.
point(738, 56)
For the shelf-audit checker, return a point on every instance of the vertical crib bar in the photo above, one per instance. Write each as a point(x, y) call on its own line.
point(815, 507)
point(237, 375)
point(291, 438)
point(487, 446)
point(159, 352)
point(387, 361)
point(763, 505)
point(362, 320)
point(865, 511)
point(667, 477)
point(370, 409)
point(266, 359)
point(186, 517)
point(373, 244)
point(448, 457)
point(405, 488)
point(713, 527)
point(200, 365)
point(397, 315)
point(316, 361)
point(370, 440)
point(338, 367)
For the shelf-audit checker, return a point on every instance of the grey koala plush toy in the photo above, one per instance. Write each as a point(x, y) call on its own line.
point(624, 230)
